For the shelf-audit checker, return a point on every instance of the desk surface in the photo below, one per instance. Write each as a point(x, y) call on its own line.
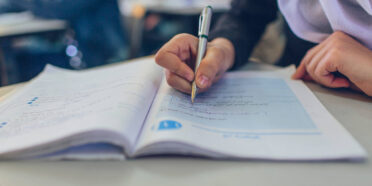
point(15, 24)
point(354, 111)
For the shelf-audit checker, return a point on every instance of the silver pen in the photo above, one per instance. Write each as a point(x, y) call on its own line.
point(204, 25)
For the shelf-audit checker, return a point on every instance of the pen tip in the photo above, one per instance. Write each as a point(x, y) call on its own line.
point(192, 96)
point(193, 92)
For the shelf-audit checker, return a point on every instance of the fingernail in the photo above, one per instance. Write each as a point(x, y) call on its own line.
point(203, 81)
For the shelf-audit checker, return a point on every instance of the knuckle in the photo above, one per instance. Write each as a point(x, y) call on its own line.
point(333, 41)
point(338, 45)
point(339, 34)
point(339, 66)
point(181, 36)
point(216, 51)
point(334, 54)
point(328, 64)
point(331, 63)
point(338, 38)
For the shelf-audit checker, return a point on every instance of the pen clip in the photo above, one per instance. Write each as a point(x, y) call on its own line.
point(200, 23)
point(205, 21)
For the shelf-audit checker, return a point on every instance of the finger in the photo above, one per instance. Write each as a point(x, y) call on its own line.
point(302, 74)
point(210, 67)
point(315, 62)
point(173, 63)
point(177, 82)
point(326, 77)
point(300, 71)
point(176, 54)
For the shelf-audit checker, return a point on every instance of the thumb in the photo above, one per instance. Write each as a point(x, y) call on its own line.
point(209, 69)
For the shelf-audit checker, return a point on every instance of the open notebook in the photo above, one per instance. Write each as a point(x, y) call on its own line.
point(128, 110)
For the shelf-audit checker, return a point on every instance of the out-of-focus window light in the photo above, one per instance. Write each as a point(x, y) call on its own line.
point(71, 51)
point(127, 6)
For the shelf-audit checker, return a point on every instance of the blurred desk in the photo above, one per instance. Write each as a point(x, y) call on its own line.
point(14, 25)
point(19, 24)
point(351, 109)
point(135, 12)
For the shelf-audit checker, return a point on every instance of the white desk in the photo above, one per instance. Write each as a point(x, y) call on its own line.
point(354, 111)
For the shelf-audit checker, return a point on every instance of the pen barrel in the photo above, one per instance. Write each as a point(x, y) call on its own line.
point(204, 24)
point(201, 52)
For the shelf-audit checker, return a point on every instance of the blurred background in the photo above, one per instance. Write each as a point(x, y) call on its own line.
point(80, 34)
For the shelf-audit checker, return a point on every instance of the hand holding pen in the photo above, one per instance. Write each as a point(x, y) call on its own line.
point(178, 57)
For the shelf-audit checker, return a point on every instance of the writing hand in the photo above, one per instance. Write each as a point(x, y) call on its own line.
point(178, 56)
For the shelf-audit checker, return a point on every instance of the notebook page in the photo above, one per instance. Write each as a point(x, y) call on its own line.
point(61, 103)
point(247, 115)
